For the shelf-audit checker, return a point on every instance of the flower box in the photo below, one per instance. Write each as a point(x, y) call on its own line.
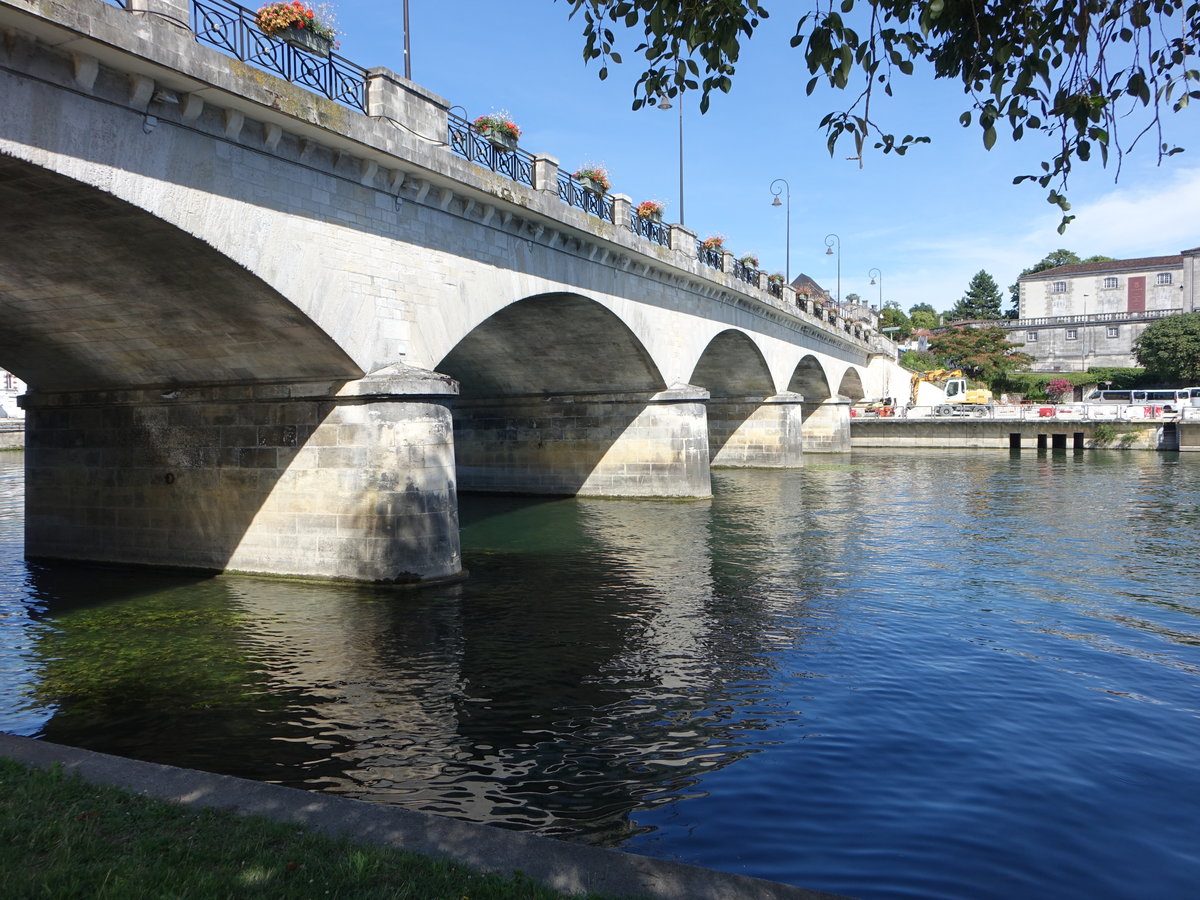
point(306, 39)
point(501, 140)
point(590, 184)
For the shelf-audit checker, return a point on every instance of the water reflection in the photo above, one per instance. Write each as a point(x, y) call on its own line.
point(884, 674)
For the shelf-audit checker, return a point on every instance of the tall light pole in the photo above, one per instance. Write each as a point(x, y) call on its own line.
point(407, 49)
point(874, 274)
point(829, 242)
point(664, 103)
point(787, 253)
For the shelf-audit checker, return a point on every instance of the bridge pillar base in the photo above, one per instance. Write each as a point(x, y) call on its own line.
point(827, 426)
point(349, 481)
point(602, 445)
point(752, 433)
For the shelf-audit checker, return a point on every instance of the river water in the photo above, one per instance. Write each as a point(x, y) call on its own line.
point(918, 674)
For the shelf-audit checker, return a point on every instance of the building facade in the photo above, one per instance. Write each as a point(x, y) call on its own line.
point(11, 387)
point(1089, 314)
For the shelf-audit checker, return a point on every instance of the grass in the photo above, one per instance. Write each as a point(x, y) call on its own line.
point(61, 837)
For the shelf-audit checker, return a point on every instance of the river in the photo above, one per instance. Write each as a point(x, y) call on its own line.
point(916, 674)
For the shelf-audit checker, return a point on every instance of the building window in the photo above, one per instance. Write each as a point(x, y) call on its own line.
point(1113, 331)
point(1031, 335)
point(1163, 278)
point(1058, 287)
point(1072, 334)
point(1111, 284)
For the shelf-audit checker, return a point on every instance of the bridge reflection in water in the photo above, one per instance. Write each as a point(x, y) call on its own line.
point(939, 674)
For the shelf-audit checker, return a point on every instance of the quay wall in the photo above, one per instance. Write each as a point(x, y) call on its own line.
point(1030, 434)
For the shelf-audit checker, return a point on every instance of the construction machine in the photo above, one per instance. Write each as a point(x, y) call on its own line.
point(959, 399)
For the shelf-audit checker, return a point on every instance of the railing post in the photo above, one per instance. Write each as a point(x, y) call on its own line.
point(760, 280)
point(683, 241)
point(545, 173)
point(391, 97)
point(177, 12)
point(622, 209)
point(727, 260)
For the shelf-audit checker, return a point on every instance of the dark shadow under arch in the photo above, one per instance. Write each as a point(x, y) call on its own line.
point(98, 293)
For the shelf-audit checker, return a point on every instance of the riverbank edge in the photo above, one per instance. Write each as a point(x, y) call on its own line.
point(565, 867)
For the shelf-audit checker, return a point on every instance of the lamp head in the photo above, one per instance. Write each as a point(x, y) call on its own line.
point(664, 103)
point(776, 202)
point(829, 251)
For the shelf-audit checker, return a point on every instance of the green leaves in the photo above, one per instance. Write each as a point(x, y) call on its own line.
point(1068, 73)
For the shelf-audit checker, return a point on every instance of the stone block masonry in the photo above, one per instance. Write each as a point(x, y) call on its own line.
point(347, 482)
point(653, 445)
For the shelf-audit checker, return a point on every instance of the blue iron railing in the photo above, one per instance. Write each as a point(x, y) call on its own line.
point(743, 272)
point(464, 140)
point(230, 27)
point(652, 230)
point(775, 289)
point(713, 258)
point(574, 194)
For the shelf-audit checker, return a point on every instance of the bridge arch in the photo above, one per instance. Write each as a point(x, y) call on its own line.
point(550, 344)
point(809, 379)
point(100, 293)
point(851, 386)
point(559, 396)
point(732, 365)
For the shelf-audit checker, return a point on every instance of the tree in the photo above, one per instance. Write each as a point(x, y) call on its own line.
point(1070, 72)
point(981, 301)
point(892, 316)
point(984, 353)
point(923, 315)
point(853, 298)
point(1052, 260)
point(1170, 348)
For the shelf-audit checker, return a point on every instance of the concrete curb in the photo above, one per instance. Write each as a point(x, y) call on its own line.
point(569, 868)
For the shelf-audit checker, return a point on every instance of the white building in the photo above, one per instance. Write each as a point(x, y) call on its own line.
point(10, 388)
point(1089, 314)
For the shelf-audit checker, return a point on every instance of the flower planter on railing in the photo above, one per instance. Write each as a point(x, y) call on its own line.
point(467, 141)
point(233, 29)
point(306, 39)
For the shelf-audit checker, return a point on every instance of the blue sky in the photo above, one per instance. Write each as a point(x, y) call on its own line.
point(928, 221)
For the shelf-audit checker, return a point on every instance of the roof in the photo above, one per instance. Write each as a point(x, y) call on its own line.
point(1108, 265)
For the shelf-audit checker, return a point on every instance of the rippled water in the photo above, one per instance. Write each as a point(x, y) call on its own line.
point(888, 674)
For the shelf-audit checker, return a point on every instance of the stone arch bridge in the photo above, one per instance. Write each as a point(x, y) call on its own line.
point(266, 332)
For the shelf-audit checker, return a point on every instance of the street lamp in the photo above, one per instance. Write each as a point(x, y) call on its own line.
point(829, 242)
point(407, 49)
point(788, 246)
point(875, 273)
point(664, 103)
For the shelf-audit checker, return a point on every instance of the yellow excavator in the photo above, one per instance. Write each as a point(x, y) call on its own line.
point(960, 400)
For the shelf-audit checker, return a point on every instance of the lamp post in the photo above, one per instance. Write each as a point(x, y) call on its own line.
point(407, 49)
point(664, 103)
point(787, 253)
point(874, 274)
point(829, 243)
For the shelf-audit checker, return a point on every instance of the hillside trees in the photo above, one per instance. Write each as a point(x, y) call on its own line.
point(1071, 73)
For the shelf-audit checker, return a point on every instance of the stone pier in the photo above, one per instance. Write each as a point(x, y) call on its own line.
point(351, 481)
point(755, 433)
point(598, 445)
point(827, 426)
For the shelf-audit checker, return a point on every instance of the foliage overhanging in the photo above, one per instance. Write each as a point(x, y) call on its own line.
point(1071, 70)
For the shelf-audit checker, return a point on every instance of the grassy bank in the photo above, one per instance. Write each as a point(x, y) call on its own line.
point(61, 837)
